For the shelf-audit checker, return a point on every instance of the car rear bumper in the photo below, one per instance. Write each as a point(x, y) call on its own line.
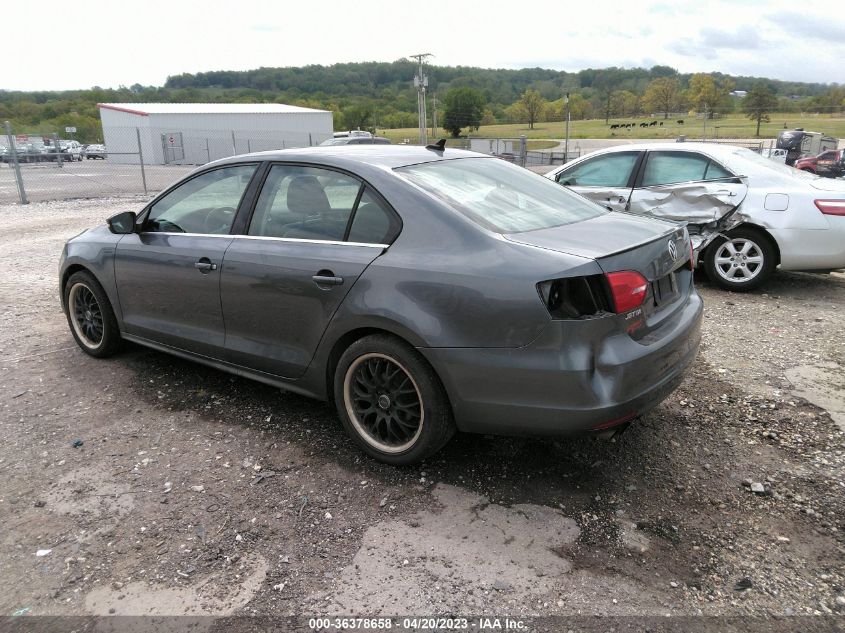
point(576, 377)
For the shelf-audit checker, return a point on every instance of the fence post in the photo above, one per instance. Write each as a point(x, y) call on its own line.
point(234, 147)
point(523, 149)
point(207, 151)
point(58, 149)
point(164, 155)
point(141, 159)
point(14, 150)
point(248, 147)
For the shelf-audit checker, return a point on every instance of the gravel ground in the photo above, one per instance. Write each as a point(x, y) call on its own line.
point(197, 492)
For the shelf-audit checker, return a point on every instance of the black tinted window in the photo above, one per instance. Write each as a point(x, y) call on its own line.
point(204, 204)
point(372, 221)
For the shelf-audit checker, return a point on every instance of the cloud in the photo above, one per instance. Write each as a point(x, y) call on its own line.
point(814, 26)
point(710, 42)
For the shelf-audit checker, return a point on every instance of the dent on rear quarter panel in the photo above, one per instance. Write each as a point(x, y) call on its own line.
point(478, 298)
point(94, 250)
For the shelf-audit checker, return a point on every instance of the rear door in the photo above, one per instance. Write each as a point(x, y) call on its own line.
point(311, 235)
point(606, 179)
point(168, 275)
point(685, 186)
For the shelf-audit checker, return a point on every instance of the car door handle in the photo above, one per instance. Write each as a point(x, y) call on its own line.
point(327, 278)
point(204, 265)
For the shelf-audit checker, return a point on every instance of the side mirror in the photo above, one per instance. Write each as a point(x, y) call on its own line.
point(122, 223)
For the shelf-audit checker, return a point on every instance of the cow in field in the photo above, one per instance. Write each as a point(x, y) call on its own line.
point(680, 121)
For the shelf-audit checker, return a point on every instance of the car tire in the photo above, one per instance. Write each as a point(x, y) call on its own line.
point(391, 401)
point(90, 316)
point(742, 262)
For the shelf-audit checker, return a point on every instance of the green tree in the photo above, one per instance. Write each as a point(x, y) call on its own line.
point(534, 105)
point(705, 93)
point(758, 103)
point(662, 95)
point(463, 107)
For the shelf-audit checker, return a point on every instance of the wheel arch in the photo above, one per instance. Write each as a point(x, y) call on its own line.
point(70, 270)
point(764, 232)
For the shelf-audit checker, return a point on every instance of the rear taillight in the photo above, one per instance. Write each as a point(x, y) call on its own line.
point(628, 289)
point(574, 297)
point(831, 207)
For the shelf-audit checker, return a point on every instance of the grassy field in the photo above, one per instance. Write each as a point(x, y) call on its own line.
point(734, 126)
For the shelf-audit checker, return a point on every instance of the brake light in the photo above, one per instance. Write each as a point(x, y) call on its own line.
point(831, 207)
point(628, 289)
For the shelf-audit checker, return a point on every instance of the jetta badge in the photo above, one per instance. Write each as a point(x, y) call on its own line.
point(673, 250)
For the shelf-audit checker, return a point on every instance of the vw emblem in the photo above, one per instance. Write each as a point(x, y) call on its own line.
point(673, 250)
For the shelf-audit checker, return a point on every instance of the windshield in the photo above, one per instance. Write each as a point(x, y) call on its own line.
point(500, 196)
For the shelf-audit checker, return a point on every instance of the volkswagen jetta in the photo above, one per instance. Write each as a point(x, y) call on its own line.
point(423, 291)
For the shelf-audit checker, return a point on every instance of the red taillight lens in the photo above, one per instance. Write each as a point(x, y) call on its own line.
point(831, 207)
point(628, 289)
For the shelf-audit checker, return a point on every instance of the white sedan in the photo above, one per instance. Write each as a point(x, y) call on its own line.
point(747, 214)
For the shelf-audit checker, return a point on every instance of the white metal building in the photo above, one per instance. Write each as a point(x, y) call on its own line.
point(196, 133)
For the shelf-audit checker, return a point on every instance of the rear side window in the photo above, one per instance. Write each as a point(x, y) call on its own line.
point(312, 203)
point(500, 196)
point(304, 203)
point(372, 222)
point(666, 168)
point(613, 170)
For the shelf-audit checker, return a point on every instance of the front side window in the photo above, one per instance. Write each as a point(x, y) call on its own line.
point(304, 203)
point(666, 168)
point(500, 196)
point(613, 170)
point(205, 204)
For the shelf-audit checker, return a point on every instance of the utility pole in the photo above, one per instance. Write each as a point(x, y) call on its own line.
point(704, 128)
point(421, 83)
point(566, 142)
point(434, 115)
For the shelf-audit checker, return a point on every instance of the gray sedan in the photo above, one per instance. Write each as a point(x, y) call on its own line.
point(423, 291)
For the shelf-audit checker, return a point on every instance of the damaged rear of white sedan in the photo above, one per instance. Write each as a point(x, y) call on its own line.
point(747, 216)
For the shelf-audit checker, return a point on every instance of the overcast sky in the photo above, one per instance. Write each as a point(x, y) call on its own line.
point(65, 44)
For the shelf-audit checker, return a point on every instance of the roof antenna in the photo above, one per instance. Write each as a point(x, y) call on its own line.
point(439, 146)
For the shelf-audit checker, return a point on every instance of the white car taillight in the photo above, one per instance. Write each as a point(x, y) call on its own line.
point(831, 207)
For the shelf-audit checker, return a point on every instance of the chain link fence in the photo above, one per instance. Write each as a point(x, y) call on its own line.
point(44, 165)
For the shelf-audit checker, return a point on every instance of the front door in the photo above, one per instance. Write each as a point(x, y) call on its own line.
point(606, 179)
point(312, 234)
point(169, 273)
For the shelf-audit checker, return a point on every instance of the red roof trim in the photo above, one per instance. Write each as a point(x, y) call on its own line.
point(130, 111)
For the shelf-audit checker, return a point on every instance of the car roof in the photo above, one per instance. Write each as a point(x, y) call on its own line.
point(714, 149)
point(378, 155)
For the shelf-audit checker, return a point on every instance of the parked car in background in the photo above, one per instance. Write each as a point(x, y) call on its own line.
point(799, 142)
point(95, 151)
point(26, 153)
point(356, 140)
point(420, 290)
point(70, 151)
point(776, 155)
point(747, 214)
point(830, 163)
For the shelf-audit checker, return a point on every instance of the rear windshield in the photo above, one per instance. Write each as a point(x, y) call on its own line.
point(501, 196)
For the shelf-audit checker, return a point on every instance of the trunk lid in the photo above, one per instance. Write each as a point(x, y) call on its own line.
point(617, 241)
point(658, 250)
point(831, 185)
